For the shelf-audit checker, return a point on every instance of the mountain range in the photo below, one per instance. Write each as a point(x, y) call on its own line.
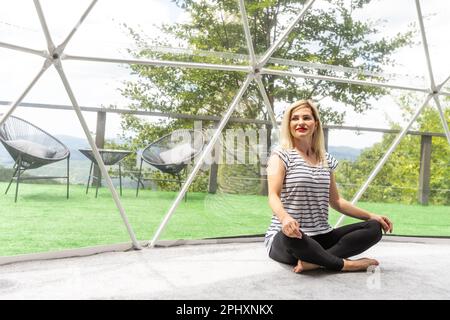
point(79, 168)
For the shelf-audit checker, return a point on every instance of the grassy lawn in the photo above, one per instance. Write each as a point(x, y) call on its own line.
point(44, 220)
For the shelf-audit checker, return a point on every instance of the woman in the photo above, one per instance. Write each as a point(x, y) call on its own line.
point(301, 186)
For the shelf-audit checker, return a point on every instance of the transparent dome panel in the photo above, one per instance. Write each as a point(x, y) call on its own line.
point(19, 25)
point(349, 41)
point(197, 32)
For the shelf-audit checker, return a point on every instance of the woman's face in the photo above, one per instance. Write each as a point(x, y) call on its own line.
point(302, 123)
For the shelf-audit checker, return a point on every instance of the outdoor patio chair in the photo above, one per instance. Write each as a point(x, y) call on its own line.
point(31, 148)
point(110, 157)
point(172, 153)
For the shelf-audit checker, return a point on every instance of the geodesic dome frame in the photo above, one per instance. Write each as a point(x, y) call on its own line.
point(54, 55)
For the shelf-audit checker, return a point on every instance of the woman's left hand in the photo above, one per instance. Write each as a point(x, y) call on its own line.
point(386, 224)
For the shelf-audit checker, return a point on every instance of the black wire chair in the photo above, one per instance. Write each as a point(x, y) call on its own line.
point(31, 148)
point(172, 153)
point(110, 158)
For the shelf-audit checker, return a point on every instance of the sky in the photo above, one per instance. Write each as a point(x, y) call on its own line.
point(103, 34)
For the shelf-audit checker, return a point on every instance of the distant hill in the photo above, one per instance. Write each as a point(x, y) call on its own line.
point(74, 143)
point(344, 153)
point(79, 164)
point(5, 158)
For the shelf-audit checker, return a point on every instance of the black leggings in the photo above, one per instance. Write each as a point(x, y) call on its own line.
point(329, 249)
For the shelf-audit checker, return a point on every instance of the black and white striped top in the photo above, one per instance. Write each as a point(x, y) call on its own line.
point(305, 194)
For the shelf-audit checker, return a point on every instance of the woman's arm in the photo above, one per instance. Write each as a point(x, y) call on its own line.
point(345, 207)
point(275, 177)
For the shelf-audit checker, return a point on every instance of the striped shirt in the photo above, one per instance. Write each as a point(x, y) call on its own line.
point(305, 194)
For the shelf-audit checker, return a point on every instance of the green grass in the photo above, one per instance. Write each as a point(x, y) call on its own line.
point(44, 220)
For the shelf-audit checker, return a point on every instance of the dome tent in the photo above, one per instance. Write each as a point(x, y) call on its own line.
point(55, 55)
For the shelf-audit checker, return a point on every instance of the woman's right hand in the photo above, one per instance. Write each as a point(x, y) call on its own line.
point(291, 227)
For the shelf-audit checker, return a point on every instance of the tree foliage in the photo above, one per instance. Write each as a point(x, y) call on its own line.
point(398, 180)
point(328, 36)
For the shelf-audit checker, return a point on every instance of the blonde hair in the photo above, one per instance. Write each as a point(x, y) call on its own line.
point(318, 140)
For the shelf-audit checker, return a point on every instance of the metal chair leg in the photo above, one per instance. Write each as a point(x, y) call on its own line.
point(99, 179)
point(18, 178)
point(120, 179)
point(14, 174)
point(89, 178)
point(139, 178)
point(180, 185)
point(68, 166)
point(186, 194)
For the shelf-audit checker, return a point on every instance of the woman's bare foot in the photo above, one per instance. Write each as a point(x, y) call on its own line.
point(359, 264)
point(305, 266)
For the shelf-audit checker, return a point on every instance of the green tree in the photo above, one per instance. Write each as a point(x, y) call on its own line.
point(329, 36)
point(398, 180)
